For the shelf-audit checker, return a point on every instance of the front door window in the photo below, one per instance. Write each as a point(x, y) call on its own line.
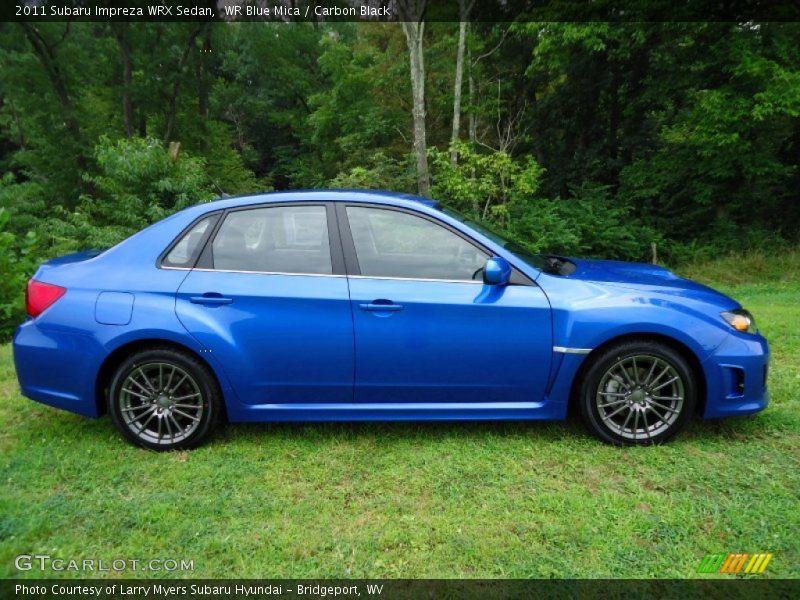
point(396, 244)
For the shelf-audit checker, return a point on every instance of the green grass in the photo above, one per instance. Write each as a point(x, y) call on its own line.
point(416, 500)
point(736, 270)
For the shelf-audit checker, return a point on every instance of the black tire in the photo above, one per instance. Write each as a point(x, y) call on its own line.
point(610, 402)
point(148, 390)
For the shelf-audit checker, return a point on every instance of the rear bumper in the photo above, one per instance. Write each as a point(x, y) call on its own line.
point(57, 367)
point(736, 377)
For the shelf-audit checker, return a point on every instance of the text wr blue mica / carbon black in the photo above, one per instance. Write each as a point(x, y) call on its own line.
point(354, 305)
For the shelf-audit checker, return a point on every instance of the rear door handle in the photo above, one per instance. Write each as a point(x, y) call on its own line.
point(381, 306)
point(210, 299)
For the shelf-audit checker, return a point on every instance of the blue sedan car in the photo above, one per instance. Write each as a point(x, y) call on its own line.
point(354, 305)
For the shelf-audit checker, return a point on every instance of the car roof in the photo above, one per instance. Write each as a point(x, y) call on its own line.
point(321, 195)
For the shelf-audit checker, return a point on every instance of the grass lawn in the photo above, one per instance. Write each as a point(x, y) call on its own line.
point(416, 500)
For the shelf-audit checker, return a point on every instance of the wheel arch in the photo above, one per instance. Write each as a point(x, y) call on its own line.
point(678, 346)
point(118, 355)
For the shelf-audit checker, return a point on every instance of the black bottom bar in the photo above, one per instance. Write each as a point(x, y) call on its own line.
point(391, 589)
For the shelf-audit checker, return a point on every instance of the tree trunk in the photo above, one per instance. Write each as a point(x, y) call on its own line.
point(47, 58)
point(473, 119)
point(203, 85)
point(127, 79)
point(414, 31)
point(614, 117)
point(464, 10)
point(202, 79)
point(17, 123)
point(462, 34)
point(172, 106)
point(46, 55)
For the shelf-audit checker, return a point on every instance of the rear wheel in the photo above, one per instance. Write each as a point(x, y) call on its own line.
point(637, 392)
point(164, 399)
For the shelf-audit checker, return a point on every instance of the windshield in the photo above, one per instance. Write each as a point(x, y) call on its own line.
point(538, 261)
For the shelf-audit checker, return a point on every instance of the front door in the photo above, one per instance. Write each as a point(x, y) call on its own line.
point(426, 327)
point(272, 306)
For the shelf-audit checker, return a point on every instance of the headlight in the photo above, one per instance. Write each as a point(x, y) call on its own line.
point(740, 320)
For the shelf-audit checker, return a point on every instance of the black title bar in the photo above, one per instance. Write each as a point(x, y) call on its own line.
point(398, 10)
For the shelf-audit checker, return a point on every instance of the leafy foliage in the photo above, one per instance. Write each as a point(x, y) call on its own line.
point(485, 183)
point(16, 260)
point(138, 183)
point(577, 138)
point(497, 188)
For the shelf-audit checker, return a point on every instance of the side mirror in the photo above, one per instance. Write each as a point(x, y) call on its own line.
point(497, 271)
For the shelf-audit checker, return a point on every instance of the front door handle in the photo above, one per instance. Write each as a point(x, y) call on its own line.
point(381, 306)
point(210, 299)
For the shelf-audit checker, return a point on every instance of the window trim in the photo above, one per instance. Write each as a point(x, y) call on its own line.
point(351, 257)
point(204, 270)
point(205, 262)
point(162, 258)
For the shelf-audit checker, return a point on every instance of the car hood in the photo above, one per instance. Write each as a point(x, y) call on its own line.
point(647, 277)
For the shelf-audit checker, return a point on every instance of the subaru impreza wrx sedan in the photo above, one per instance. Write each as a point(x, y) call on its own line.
point(361, 306)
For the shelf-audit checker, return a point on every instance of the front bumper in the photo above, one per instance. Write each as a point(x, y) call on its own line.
point(736, 377)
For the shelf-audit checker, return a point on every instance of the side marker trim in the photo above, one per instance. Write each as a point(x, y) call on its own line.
point(565, 350)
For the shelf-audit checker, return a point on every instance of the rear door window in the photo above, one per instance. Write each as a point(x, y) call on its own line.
point(277, 239)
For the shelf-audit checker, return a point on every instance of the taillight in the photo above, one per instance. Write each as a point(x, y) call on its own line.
point(39, 296)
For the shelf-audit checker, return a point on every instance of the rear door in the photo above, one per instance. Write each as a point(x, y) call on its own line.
point(426, 327)
point(270, 300)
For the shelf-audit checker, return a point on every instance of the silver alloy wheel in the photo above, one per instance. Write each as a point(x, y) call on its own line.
point(640, 397)
point(160, 403)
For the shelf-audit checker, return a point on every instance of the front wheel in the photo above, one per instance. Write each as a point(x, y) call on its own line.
point(164, 399)
point(637, 393)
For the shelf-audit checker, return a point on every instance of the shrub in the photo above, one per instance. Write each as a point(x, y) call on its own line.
point(17, 263)
point(138, 183)
point(503, 191)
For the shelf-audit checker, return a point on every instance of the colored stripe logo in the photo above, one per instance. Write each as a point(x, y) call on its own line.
point(735, 563)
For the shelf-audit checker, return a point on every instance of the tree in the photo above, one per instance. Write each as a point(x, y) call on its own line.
point(413, 14)
point(120, 30)
point(584, 138)
point(464, 10)
point(173, 97)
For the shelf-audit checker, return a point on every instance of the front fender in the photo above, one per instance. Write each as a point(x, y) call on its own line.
point(588, 315)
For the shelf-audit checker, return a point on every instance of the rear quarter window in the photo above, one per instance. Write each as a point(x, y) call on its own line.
point(185, 251)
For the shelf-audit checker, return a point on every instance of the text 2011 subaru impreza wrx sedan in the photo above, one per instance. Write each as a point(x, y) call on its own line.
point(352, 305)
